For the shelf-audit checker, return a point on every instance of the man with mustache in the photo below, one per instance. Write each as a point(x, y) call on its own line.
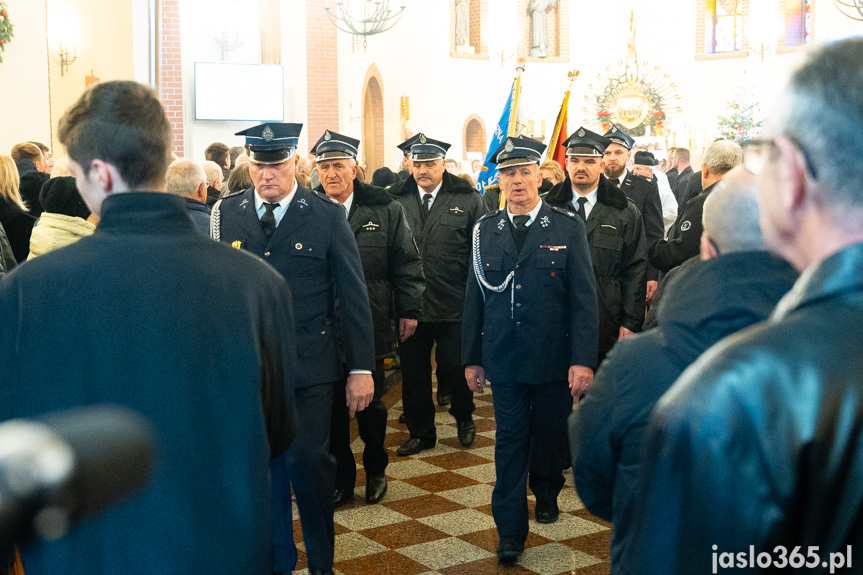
point(614, 233)
point(441, 210)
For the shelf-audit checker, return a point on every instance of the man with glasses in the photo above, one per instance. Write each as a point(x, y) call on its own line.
point(684, 236)
point(755, 450)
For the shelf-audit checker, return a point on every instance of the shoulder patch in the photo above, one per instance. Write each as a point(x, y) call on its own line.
point(488, 215)
point(325, 198)
point(233, 194)
point(685, 226)
point(565, 212)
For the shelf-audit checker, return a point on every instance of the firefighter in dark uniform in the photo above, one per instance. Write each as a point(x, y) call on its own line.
point(441, 211)
point(615, 235)
point(305, 236)
point(530, 327)
point(393, 273)
point(644, 192)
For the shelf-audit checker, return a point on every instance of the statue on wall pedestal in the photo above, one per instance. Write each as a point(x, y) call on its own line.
point(462, 22)
point(536, 9)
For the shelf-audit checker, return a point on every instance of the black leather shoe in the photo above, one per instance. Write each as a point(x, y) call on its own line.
point(466, 432)
point(546, 511)
point(402, 418)
point(414, 445)
point(509, 550)
point(376, 488)
point(444, 399)
point(342, 496)
point(314, 571)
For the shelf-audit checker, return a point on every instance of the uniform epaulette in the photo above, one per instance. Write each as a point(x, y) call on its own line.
point(494, 186)
point(645, 178)
point(325, 198)
point(569, 213)
point(490, 214)
point(232, 194)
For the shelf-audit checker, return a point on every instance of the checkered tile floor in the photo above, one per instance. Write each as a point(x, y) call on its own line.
point(436, 517)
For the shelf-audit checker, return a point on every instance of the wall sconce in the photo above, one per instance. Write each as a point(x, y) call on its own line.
point(67, 59)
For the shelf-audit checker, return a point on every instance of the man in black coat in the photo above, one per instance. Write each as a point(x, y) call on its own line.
point(530, 327)
point(394, 279)
point(120, 317)
point(34, 172)
point(615, 235)
point(684, 173)
point(684, 236)
point(757, 445)
point(737, 285)
point(441, 211)
point(306, 237)
point(644, 193)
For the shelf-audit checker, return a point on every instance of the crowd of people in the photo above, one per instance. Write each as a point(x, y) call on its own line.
point(640, 321)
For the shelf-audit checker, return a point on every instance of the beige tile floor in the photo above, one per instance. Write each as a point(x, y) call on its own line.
point(436, 518)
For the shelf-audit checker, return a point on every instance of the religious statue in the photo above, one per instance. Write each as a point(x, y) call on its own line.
point(536, 9)
point(462, 22)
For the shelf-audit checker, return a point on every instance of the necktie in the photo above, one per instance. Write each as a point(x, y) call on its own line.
point(581, 211)
point(520, 231)
point(268, 220)
point(427, 200)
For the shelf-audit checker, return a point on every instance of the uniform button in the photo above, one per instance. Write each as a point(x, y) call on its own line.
point(517, 324)
point(266, 254)
point(518, 304)
point(324, 332)
point(552, 262)
point(517, 286)
point(517, 266)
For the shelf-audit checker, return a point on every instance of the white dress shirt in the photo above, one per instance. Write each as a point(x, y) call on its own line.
point(588, 206)
point(532, 214)
point(279, 212)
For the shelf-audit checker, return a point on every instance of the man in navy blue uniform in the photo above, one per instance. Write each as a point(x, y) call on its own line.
point(530, 326)
point(306, 237)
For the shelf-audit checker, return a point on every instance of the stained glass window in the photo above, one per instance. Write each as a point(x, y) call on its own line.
point(727, 25)
point(807, 21)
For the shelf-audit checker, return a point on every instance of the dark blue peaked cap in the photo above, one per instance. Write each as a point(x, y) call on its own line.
point(615, 136)
point(583, 142)
point(405, 146)
point(333, 146)
point(271, 143)
point(424, 149)
point(518, 151)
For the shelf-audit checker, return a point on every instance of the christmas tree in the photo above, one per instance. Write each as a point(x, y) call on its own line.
point(744, 120)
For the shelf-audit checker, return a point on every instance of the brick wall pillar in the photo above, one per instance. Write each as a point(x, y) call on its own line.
point(171, 72)
point(322, 72)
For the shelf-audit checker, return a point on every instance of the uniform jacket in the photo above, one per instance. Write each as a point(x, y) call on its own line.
point(119, 317)
point(709, 301)
point(31, 185)
point(444, 242)
point(53, 231)
point(7, 258)
point(617, 249)
point(314, 249)
point(772, 416)
point(391, 261)
point(684, 236)
point(644, 193)
point(546, 319)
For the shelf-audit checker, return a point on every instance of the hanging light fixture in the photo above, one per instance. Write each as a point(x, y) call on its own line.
point(364, 17)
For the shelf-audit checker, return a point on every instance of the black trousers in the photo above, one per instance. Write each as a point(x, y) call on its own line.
point(372, 423)
point(415, 353)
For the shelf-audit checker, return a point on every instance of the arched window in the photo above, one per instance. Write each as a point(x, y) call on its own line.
point(474, 136)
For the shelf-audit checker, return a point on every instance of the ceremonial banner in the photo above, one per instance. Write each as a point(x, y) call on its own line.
point(488, 172)
point(556, 150)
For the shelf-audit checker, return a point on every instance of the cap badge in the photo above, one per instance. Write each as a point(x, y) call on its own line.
point(327, 136)
point(581, 133)
point(268, 134)
point(422, 139)
point(509, 146)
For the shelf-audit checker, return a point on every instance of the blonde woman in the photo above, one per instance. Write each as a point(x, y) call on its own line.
point(14, 215)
